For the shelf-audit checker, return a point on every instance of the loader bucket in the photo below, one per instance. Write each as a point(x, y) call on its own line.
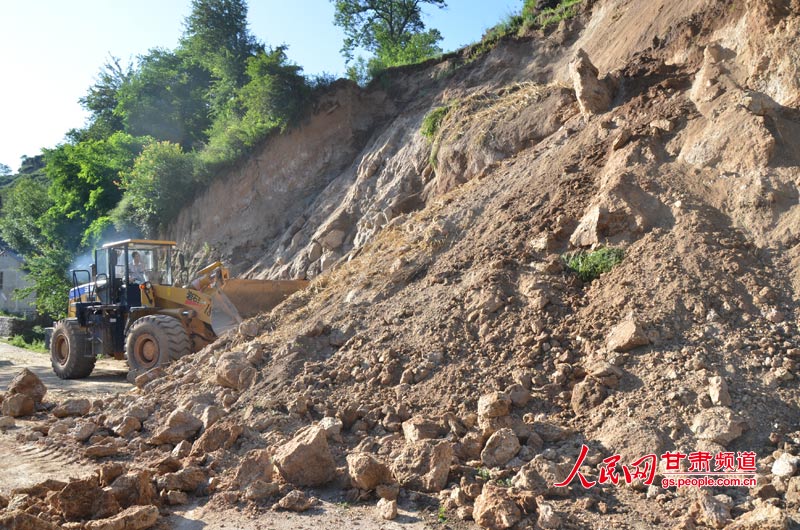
point(246, 298)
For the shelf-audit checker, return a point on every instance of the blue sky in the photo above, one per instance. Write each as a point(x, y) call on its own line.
point(51, 50)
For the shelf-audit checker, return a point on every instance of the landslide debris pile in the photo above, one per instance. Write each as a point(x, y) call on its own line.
point(452, 360)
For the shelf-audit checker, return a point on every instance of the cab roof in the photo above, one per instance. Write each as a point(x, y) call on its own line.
point(140, 243)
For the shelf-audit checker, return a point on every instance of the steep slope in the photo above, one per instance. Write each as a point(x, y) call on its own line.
point(448, 350)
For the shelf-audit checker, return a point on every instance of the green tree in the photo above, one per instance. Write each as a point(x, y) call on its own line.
point(157, 185)
point(85, 183)
point(5, 170)
point(166, 98)
point(102, 100)
point(24, 207)
point(47, 270)
point(217, 38)
point(387, 28)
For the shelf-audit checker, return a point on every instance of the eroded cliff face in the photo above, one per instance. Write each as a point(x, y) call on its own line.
point(309, 199)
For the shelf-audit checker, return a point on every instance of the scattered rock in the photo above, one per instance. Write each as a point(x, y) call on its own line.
point(174, 498)
point(28, 384)
point(73, 407)
point(233, 371)
point(593, 95)
point(718, 391)
point(367, 472)
point(501, 447)
point(389, 492)
point(18, 405)
point(494, 508)
point(76, 500)
point(586, 395)
point(785, 465)
point(256, 466)
point(764, 517)
point(296, 501)
point(548, 518)
point(211, 415)
point(387, 510)
point(190, 479)
point(419, 428)
point(133, 488)
point(102, 450)
point(717, 424)
point(17, 520)
point(220, 435)
point(710, 511)
point(7, 422)
point(494, 405)
point(626, 336)
point(133, 518)
point(306, 460)
point(127, 426)
point(180, 425)
point(424, 465)
point(259, 490)
point(84, 430)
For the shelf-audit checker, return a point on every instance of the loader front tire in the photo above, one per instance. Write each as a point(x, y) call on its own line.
point(155, 340)
point(69, 347)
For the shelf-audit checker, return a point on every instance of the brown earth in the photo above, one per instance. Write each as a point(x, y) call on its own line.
point(447, 339)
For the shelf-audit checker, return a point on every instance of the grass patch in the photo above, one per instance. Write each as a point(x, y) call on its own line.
point(590, 265)
point(433, 121)
point(20, 342)
point(530, 19)
point(441, 515)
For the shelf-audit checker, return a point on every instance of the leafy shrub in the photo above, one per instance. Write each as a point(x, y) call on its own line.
point(590, 265)
point(158, 185)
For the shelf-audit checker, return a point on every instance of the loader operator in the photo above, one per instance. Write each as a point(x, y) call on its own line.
point(136, 268)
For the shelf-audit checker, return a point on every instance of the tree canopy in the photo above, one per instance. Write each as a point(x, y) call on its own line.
point(392, 30)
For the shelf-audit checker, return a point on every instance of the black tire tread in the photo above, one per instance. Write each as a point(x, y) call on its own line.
point(175, 339)
point(78, 364)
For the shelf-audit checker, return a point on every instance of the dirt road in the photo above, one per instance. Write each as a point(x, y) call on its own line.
point(108, 376)
point(31, 462)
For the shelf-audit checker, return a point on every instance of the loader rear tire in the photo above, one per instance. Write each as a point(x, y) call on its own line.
point(155, 340)
point(69, 347)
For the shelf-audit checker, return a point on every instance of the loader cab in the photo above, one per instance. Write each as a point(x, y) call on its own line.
point(123, 267)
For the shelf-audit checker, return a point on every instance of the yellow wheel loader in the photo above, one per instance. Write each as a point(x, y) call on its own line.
point(131, 306)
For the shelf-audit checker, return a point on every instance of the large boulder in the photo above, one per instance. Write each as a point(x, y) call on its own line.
point(494, 508)
point(234, 371)
point(180, 425)
point(220, 435)
point(494, 405)
point(718, 424)
point(73, 407)
point(133, 488)
point(594, 95)
point(367, 472)
point(134, 518)
point(29, 384)
point(76, 500)
point(190, 479)
point(424, 465)
point(256, 466)
point(18, 405)
point(625, 336)
point(306, 460)
point(501, 447)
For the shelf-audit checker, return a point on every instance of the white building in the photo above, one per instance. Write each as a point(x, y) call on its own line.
point(11, 278)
